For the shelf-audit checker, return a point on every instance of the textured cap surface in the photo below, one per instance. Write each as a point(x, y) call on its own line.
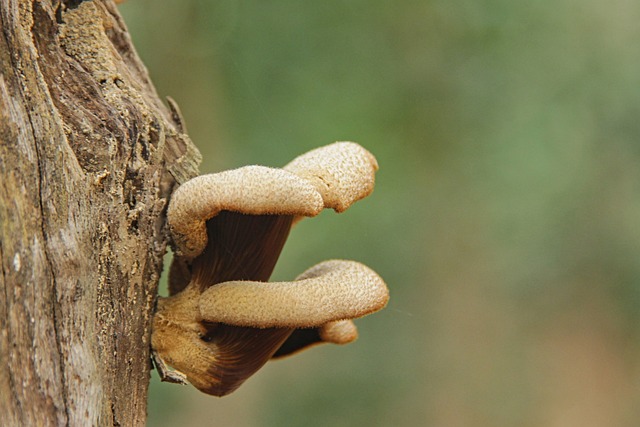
point(329, 291)
point(339, 332)
point(334, 176)
point(343, 172)
point(255, 190)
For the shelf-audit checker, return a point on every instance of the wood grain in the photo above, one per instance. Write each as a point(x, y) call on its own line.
point(88, 158)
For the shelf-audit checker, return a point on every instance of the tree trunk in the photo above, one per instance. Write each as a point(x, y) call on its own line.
point(88, 158)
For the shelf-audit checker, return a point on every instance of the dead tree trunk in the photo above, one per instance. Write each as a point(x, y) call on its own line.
point(88, 158)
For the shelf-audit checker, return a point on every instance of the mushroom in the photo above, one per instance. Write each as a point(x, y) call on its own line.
point(223, 320)
point(327, 292)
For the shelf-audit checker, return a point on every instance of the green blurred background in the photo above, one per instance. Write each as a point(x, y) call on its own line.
point(506, 216)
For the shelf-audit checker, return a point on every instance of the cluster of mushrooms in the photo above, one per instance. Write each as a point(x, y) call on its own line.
point(223, 319)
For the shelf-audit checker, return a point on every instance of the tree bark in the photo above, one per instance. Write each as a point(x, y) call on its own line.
point(88, 158)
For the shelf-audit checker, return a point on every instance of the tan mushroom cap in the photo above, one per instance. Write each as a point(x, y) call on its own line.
point(255, 190)
point(343, 172)
point(334, 176)
point(339, 332)
point(327, 292)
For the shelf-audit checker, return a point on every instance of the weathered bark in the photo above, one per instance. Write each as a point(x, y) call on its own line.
point(88, 157)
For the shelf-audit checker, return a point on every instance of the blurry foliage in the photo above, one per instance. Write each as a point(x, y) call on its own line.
point(505, 218)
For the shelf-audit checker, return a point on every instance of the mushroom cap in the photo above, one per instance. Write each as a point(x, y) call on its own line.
point(255, 190)
point(342, 172)
point(330, 291)
point(334, 176)
point(339, 332)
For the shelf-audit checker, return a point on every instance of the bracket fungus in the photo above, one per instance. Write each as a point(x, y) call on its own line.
point(223, 320)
